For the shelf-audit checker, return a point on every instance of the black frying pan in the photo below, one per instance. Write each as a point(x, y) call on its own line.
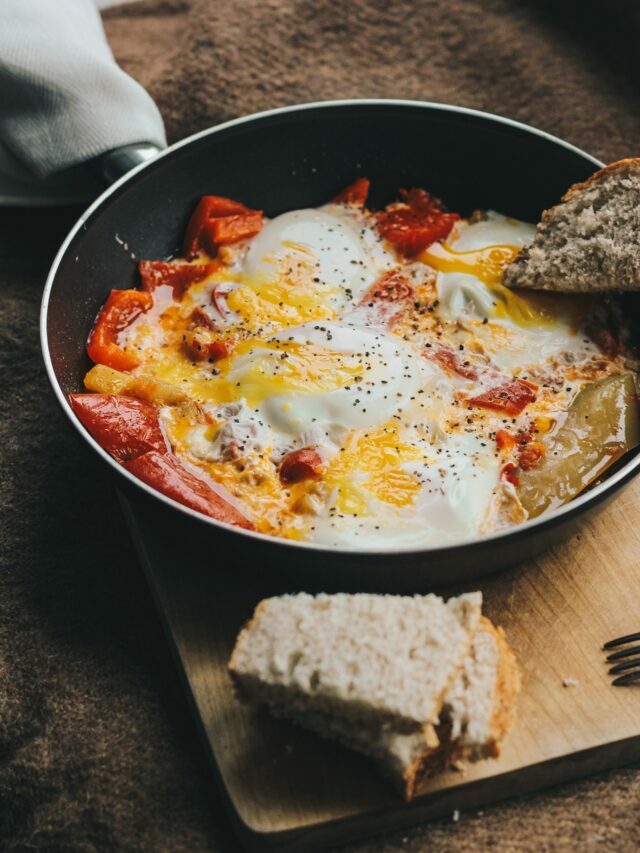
point(300, 157)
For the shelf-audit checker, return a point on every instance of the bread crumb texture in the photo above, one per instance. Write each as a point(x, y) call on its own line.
point(589, 241)
point(417, 683)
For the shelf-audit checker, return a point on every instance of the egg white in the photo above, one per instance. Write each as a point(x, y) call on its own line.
point(327, 247)
point(453, 500)
point(390, 374)
point(465, 296)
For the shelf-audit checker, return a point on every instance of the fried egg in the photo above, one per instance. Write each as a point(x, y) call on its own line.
point(326, 377)
point(521, 329)
point(323, 250)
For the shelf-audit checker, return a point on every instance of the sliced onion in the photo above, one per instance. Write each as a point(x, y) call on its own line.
point(219, 296)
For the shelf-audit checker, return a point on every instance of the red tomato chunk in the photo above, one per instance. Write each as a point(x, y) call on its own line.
point(414, 224)
point(356, 193)
point(299, 465)
point(511, 397)
point(531, 455)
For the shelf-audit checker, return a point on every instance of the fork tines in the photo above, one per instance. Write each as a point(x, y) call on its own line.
point(628, 671)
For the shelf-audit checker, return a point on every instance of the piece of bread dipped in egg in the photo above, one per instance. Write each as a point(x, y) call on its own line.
point(590, 241)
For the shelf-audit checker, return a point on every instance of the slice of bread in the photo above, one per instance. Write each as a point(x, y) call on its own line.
point(480, 706)
point(588, 242)
point(391, 676)
point(477, 713)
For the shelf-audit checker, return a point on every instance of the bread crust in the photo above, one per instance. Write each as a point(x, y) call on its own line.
point(507, 687)
point(450, 753)
point(632, 163)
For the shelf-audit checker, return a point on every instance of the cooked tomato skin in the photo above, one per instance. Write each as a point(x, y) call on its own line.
point(511, 397)
point(123, 426)
point(356, 193)
point(201, 234)
point(119, 311)
point(166, 473)
point(300, 465)
point(505, 441)
point(530, 455)
point(412, 226)
point(451, 361)
point(509, 473)
point(178, 276)
point(226, 230)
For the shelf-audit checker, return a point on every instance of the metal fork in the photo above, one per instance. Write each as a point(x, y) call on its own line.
point(630, 668)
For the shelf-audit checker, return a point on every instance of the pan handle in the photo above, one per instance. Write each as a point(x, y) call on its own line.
point(116, 163)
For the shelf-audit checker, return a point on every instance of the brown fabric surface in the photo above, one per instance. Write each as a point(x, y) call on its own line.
point(97, 747)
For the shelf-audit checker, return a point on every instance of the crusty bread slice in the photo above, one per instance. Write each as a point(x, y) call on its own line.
point(480, 706)
point(477, 713)
point(373, 671)
point(359, 655)
point(588, 242)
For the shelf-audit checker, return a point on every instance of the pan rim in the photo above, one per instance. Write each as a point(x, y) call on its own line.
point(591, 498)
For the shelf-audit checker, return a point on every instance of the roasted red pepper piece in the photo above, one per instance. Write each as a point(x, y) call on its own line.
point(178, 276)
point(166, 473)
point(299, 465)
point(123, 426)
point(208, 208)
point(452, 361)
point(119, 311)
point(356, 193)
point(416, 223)
point(226, 230)
point(511, 397)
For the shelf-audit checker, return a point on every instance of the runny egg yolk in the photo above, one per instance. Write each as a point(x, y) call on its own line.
point(259, 370)
point(270, 301)
point(370, 464)
point(488, 264)
point(282, 367)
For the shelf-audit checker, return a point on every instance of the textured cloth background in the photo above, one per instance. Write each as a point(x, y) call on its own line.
point(97, 747)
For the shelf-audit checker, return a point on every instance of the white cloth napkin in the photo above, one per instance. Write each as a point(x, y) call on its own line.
point(63, 101)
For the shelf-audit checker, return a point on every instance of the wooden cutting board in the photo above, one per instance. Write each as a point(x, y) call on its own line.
point(288, 790)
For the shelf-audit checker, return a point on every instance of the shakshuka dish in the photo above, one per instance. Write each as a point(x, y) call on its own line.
point(358, 378)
